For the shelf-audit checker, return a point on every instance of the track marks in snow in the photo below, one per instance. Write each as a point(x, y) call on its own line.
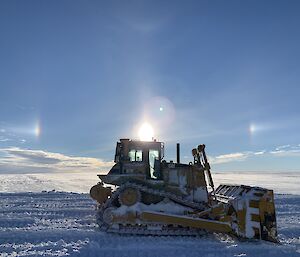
point(63, 224)
point(59, 248)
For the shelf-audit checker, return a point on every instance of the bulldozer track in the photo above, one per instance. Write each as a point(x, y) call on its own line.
point(153, 228)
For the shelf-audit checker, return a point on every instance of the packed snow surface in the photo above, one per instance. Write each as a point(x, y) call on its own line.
point(52, 223)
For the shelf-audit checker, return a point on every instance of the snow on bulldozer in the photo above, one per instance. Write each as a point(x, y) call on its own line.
point(144, 194)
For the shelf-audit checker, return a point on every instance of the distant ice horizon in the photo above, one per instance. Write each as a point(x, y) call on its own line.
point(79, 182)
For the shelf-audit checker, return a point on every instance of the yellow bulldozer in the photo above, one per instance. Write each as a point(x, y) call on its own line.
point(144, 194)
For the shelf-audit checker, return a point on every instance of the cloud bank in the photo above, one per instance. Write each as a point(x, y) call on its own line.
point(279, 151)
point(18, 160)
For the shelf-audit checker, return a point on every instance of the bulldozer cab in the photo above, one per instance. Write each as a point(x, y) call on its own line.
point(144, 154)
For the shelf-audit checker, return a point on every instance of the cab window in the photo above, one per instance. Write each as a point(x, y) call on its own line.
point(135, 155)
point(153, 155)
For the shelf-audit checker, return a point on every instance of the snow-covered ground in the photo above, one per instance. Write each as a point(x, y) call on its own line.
point(63, 223)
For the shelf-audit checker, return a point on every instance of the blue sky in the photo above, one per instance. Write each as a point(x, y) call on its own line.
point(78, 75)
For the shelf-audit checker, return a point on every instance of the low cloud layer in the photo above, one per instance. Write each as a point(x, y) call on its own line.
point(17, 160)
point(225, 158)
point(279, 151)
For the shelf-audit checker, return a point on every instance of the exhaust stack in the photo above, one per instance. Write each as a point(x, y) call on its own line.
point(178, 152)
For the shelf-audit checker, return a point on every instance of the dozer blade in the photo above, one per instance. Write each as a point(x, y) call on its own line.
point(254, 209)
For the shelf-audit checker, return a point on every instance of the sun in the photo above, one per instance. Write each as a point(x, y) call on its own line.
point(146, 132)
